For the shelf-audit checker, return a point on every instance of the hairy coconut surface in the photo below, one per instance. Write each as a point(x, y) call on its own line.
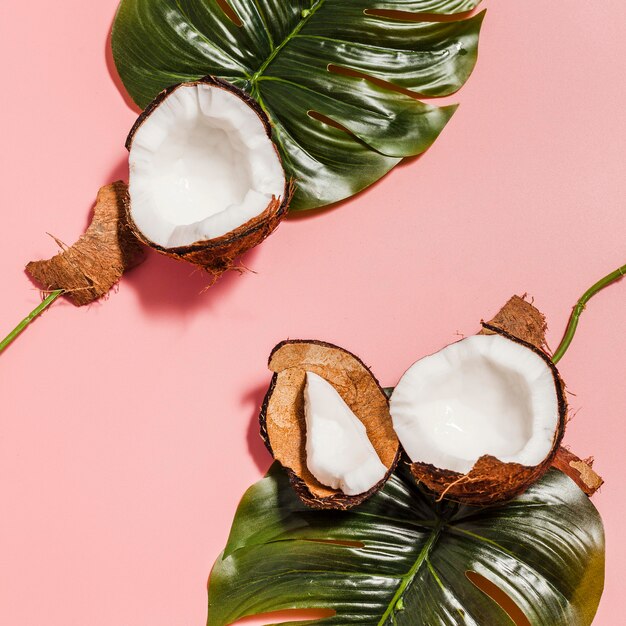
point(88, 269)
point(206, 181)
point(283, 424)
point(521, 319)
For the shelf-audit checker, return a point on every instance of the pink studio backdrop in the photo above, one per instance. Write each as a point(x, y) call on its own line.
point(128, 429)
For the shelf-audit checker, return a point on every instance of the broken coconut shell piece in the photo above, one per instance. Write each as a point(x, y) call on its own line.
point(521, 319)
point(88, 269)
point(206, 181)
point(579, 470)
point(329, 389)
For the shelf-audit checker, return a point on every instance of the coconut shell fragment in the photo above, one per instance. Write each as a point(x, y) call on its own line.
point(282, 418)
point(88, 269)
point(579, 470)
point(521, 319)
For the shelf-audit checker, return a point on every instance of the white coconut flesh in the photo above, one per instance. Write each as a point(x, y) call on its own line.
point(484, 395)
point(338, 451)
point(201, 164)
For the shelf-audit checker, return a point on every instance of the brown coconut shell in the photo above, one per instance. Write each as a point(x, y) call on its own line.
point(87, 270)
point(218, 255)
point(579, 470)
point(521, 319)
point(282, 420)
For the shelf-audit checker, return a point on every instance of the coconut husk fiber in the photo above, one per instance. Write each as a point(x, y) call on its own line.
point(88, 269)
point(282, 419)
point(521, 319)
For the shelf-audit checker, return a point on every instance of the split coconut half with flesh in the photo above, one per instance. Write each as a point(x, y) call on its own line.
point(326, 419)
point(206, 182)
point(482, 419)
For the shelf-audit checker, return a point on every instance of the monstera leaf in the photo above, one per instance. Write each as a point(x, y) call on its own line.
point(403, 559)
point(338, 78)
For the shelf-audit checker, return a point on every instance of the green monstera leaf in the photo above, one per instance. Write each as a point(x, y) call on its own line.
point(338, 78)
point(402, 559)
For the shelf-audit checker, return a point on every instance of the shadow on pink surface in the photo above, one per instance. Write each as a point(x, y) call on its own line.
point(119, 172)
point(256, 447)
point(169, 286)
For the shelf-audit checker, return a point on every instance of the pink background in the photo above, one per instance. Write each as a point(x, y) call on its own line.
point(128, 429)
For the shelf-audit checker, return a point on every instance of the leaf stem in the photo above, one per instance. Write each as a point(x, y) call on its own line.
point(36, 312)
point(407, 579)
point(620, 272)
point(307, 14)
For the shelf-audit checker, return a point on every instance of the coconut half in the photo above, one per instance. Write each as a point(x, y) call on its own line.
point(326, 419)
point(481, 419)
point(206, 182)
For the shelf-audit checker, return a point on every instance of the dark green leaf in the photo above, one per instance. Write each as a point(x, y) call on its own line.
point(404, 558)
point(353, 69)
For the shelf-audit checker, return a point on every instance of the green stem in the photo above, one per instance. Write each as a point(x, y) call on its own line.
point(307, 14)
point(580, 307)
point(36, 312)
point(397, 600)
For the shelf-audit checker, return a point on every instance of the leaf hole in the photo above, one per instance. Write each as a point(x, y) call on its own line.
point(500, 597)
point(324, 119)
point(289, 615)
point(229, 12)
point(379, 82)
point(339, 542)
point(408, 16)
point(320, 117)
